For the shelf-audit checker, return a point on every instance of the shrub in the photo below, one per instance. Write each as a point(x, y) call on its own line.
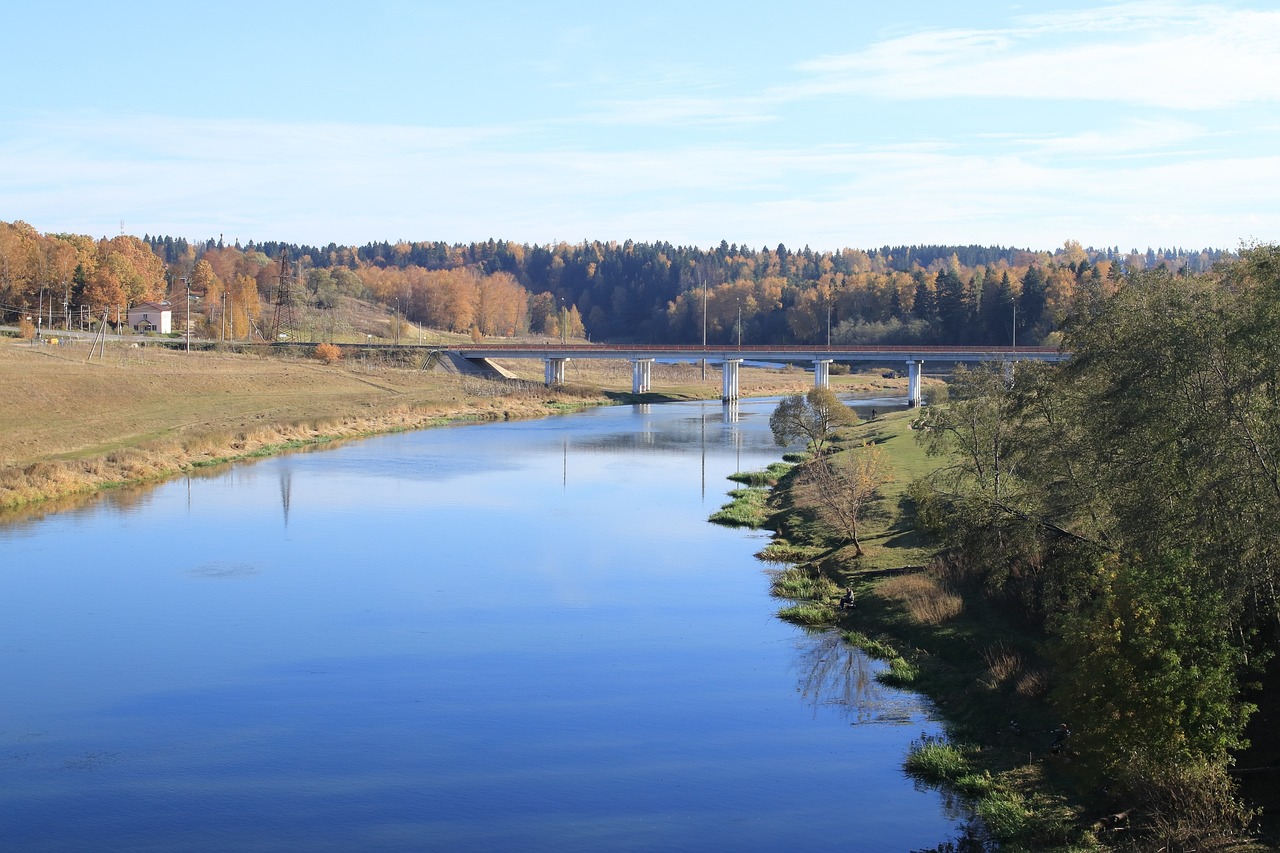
point(328, 353)
point(26, 329)
point(1187, 807)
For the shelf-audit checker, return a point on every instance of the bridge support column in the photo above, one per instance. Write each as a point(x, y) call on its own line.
point(914, 369)
point(822, 372)
point(730, 379)
point(555, 371)
point(641, 375)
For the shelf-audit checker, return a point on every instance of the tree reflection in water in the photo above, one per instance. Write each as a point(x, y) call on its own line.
point(834, 674)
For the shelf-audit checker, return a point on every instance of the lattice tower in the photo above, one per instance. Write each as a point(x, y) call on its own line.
point(284, 323)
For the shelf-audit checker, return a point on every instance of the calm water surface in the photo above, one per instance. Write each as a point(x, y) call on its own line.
point(517, 636)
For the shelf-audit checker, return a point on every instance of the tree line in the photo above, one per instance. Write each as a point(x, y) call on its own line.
point(650, 292)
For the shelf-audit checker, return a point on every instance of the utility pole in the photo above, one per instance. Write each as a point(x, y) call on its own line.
point(186, 281)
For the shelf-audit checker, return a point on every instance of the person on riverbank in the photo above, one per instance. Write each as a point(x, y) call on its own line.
point(847, 601)
point(1060, 739)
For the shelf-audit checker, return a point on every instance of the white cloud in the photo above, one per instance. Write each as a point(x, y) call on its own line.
point(1137, 138)
point(317, 183)
point(1159, 54)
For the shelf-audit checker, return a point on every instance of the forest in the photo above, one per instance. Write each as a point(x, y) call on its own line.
point(603, 291)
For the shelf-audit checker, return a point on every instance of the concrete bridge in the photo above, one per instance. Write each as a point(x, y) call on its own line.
point(642, 357)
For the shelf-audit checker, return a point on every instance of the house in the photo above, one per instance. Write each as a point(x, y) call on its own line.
point(151, 317)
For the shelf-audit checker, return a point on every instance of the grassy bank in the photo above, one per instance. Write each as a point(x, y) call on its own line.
point(985, 677)
point(72, 426)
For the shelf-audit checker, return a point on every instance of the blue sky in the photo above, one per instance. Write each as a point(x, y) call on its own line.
point(827, 124)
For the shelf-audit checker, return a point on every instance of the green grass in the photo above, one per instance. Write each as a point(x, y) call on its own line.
point(809, 613)
point(935, 761)
point(874, 648)
point(901, 673)
point(977, 665)
point(748, 508)
point(768, 477)
point(802, 583)
point(785, 552)
point(888, 535)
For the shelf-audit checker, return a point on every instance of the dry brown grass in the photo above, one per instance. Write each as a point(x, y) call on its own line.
point(926, 599)
point(1003, 663)
point(1032, 684)
point(71, 425)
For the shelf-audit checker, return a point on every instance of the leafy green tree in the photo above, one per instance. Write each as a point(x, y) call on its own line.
point(1149, 677)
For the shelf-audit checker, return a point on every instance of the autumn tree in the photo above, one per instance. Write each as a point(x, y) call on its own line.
point(814, 416)
point(839, 487)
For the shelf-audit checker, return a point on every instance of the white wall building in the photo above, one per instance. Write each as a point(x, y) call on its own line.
point(151, 317)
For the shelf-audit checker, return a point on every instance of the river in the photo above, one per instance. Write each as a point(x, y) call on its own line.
point(515, 636)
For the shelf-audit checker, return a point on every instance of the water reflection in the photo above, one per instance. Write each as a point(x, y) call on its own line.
point(835, 675)
point(518, 635)
point(286, 491)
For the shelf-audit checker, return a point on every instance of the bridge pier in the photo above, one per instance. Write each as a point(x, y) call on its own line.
point(914, 370)
point(822, 372)
point(555, 370)
point(730, 392)
point(641, 375)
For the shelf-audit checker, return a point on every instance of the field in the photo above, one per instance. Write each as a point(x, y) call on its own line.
point(73, 425)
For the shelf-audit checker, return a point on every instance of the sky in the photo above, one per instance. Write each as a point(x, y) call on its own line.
point(827, 124)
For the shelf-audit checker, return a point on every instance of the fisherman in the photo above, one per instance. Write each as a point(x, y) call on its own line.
point(1060, 740)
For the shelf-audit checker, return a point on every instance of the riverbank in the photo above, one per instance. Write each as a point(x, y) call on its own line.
point(988, 677)
point(983, 676)
point(74, 427)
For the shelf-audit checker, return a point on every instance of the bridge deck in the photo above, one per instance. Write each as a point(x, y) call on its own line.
point(759, 353)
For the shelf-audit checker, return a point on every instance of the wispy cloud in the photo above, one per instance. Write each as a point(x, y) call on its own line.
point(774, 159)
point(346, 183)
point(1132, 138)
point(1160, 54)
